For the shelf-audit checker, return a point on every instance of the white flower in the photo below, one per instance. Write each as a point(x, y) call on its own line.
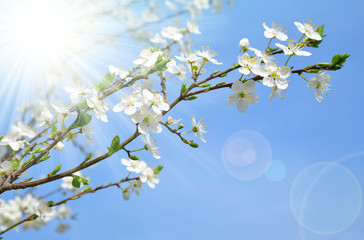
point(170, 5)
point(155, 102)
point(118, 72)
point(63, 111)
point(243, 95)
point(308, 30)
point(99, 107)
point(76, 92)
point(149, 177)
point(87, 131)
point(126, 194)
point(172, 33)
point(136, 186)
point(275, 31)
point(321, 83)
point(59, 146)
point(293, 48)
point(5, 166)
point(180, 70)
point(208, 55)
point(134, 166)
point(151, 146)
point(248, 64)
point(189, 58)
point(262, 55)
point(22, 130)
point(157, 39)
point(41, 209)
point(198, 128)
point(147, 59)
point(12, 141)
point(275, 91)
point(147, 120)
point(129, 105)
point(272, 75)
point(44, 118)
point(171, 120)
point(193, 27)
point(63, 212)
point(244, 44)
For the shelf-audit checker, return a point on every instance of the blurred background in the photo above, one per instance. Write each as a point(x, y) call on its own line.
point(292, 169)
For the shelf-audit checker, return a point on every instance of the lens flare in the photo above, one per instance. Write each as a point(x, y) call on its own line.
point(246, 155)
point(326, 198)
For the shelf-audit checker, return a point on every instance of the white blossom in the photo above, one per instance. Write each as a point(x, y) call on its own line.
point(272, 75)
point(22, 130)
point(133, 165)
point(5, 166)
point(293, 48)
point(149, 177)
point(180, 70)
point(321, 83)
point(118, 71)
point(63, 111)
point(129, 105)
point(243, 95)
point(76, 92)
point(244, 44)
point(308, 30)
point(208, 55)
point(193, 27)
point(172, 32)
point(147, 121)
point(45, 117)
point(274, 32)
point(59, 146)
point(248, 64)
point(198, 128)
point(157, 39)
point(171, 120)
point(151, 146)
point(99, 107)
point(12, 141)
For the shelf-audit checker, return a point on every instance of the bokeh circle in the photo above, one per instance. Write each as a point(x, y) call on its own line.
point(276, 171)
point(326, 198)
point(246, 155)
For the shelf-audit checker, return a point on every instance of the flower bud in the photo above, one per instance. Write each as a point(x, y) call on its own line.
point(180, 126)
point(244, 44)
point(59, 146)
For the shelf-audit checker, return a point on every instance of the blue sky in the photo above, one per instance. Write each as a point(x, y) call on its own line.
point(318, 148)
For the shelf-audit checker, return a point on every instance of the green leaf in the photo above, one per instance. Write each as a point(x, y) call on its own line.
point(38, 150)
point(217, 71)
point(114, 147)
point(1, 137)
point(86, 189)
point(50, 203)
point(272, 49)
point(194, 145)
point(339, 59)
point(82, 105)
point(205, 85)
point(220, 83)
point(27, 180)
point(45, 157)
point(105, 82)
point(15, 164)
point(54, 131)
point(161, 64)
point(76, 181)
point(314, 70)
point(29, 160)
point(191, 98)
point(83, 119)
point(184, 89)
point(55, 171)
point(158, 169)
point(223, 75)
point(133, 157)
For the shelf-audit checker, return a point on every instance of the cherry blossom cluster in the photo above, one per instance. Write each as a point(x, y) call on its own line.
point(15, 209)
point(144, 100)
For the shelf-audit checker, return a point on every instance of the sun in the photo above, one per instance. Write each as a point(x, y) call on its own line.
point(44, 32)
